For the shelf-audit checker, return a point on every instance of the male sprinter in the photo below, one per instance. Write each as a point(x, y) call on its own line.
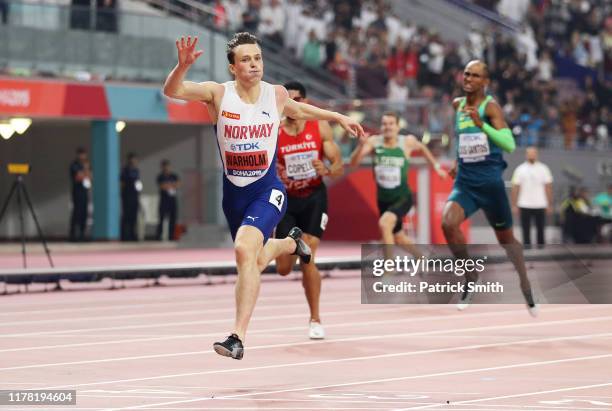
point(247, 114)
point(391, 161)
point(482, 134)
point(302, 147)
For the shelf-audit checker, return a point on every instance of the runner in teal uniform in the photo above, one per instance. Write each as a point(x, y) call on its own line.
point(482, 136)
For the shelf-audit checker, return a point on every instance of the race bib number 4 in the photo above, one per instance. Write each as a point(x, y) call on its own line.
point(388, 177)
point(299, 165)
point(473, 147)
point(277, 198)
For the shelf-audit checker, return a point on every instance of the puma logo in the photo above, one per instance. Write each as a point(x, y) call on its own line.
point(252, 218)
point(267, 114)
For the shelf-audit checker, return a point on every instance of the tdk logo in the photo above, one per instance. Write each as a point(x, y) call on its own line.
point(245, 147)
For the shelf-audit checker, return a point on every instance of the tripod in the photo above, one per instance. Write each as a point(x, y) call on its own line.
point(19, 188)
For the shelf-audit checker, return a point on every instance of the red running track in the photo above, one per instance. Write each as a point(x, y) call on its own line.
point(150, 348)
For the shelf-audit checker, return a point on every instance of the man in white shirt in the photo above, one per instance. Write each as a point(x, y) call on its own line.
point(272, 21)
point(532, 195)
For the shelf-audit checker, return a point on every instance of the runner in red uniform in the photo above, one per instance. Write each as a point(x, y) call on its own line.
point(302, 148)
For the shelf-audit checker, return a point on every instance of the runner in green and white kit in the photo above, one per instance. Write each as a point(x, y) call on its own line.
point(391, 160)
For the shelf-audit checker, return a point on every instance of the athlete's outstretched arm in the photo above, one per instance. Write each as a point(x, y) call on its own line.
point(331, 151)
point(303, 111)
point(498, 131)
point(364, 148)
point(413, 144)
point(175, 85)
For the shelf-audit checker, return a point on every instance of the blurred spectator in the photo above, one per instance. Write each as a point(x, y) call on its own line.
point(272, 22)
point(234, 11)
point(603, 204)
point(588, 126)
point(578, 225)
point(513, 9)
point(309, 21)
point(476, 44)
point(345, 11)
point(131, 186)
point(435, 61)
point(106, 15)
point(568, 123)
point(603, 129)
point(330, 48)
point(311, 56)
point(293, 11)
point(397, 58)
point(4, 11)
point(372, 77)
point(546, 67)
point(220, 19)
point(379, 25)
point(607, 45)
point(251, 16)
point(340, 67)
point(80, 15)
point(532, 195)
point(80, 177)
point(398, 89)
point(528, 47)
point(168, 182)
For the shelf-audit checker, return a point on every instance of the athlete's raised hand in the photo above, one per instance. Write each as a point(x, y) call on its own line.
point(453, 171)
point(352, 126)
point(187, 54)
point(442, 173)
point(320, 168)
point(473, 113)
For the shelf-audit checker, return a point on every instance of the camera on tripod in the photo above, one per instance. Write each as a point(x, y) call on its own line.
point(18, 168)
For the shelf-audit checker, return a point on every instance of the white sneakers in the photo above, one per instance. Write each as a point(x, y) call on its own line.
point(534, 310)
point(316, 331)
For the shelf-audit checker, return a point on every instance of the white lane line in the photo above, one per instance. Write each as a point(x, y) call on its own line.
point(588, 396)
point(308, 363)
point(376, 381)
point(201, 322)
point(125, 297)
point(141, 338)
point(332, 400)
point(200, 312)
point(205, 300)
point(514, 408)
point(158, 325)
point(527, 394)
point(329, 341)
